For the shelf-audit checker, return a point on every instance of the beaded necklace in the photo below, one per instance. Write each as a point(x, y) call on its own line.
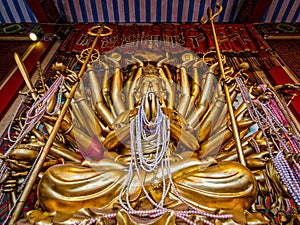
point(159, 137)
point(33, 116)
point(273, 116)
point(157, 133)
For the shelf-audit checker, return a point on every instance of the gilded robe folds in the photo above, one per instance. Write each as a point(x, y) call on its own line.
point(204, 184)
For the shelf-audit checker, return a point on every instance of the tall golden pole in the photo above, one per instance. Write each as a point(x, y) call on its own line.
point(27, 189)
point(235, 130)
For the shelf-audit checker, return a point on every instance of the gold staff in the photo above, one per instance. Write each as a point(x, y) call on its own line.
point(235, 130)
point(27, 189)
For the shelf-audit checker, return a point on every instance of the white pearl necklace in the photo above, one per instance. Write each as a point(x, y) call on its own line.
point(157, 133)
point(161, 134)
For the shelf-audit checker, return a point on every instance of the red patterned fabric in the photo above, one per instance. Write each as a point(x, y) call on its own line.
point(289, 51)
point(237, 38)
point(7, 62)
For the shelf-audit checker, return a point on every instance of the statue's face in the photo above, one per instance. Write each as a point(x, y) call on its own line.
point(150, 85)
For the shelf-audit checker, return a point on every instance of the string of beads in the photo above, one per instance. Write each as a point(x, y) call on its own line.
point(272, 117)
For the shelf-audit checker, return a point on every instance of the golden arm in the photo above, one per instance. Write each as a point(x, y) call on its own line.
point(116, 86)
point(97, 99)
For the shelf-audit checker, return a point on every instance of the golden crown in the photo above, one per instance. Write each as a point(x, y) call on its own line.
point(150, 70)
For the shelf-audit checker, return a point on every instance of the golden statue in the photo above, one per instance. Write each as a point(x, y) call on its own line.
point(148, 138)
point(153, 159)
point(161, 140)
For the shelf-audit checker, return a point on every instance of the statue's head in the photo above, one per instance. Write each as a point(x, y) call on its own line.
point(150, 84)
